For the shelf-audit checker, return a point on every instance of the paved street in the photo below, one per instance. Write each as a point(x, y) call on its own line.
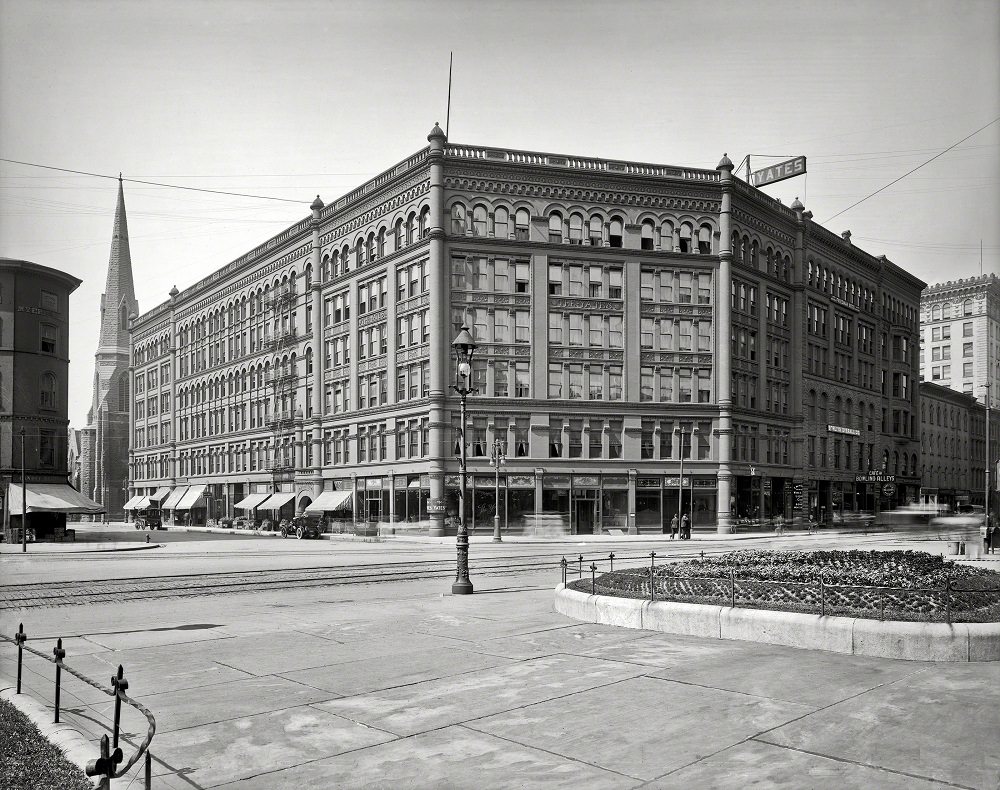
point(400, 684)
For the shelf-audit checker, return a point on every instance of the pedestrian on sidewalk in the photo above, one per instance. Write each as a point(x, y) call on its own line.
point(685, 527)
point(673, 527)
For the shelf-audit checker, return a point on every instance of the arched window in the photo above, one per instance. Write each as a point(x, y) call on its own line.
point(411, 227)
point(359, 253)
point(646, 239)
point(667, 237)
point(705, 239)
point(685, 237)
point(885, 460)
point(616, 233)
point(946, 310)
point(47, 396)
point(596, 231)
point(425, 222)
point(555, 228)
point(521, 226)
point(936, 312)
point(479, 217)
point(967, 307)
point(381, 242)
point(576, 229)
point(754, 262)
point(501, 223)
point(370, 247)
point(458, 219)
point(811, 405)
point(397, 235)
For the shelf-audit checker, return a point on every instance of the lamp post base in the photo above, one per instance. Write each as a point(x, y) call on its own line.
point(461, 587)
point(496, 530)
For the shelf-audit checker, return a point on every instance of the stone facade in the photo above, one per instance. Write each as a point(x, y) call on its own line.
point(633, 321)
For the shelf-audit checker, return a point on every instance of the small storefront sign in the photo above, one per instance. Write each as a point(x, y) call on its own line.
point(889, 489)
point(875, 477)
point(436, 506)
point(841, 429)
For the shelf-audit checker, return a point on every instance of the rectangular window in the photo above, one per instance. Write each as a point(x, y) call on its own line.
point(555, 380)
point(967, 329)
point(555, 328)
point(595, 382)
point(646, 383)
point(522, 380)
point(615, 282)
point(555, 279)
point(666, 385)
point(967, 349)
point(50, 339)
point(614, 382)
point(967, 370)
point(522, 326)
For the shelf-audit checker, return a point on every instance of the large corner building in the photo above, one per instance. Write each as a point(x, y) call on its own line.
point(104, 442)
point(633, 320)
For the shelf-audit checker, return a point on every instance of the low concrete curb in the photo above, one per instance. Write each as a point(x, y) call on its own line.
point(912, 641)
point(69, 740)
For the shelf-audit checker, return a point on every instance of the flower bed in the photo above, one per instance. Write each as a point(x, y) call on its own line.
point(30, 762)
point(896, 585)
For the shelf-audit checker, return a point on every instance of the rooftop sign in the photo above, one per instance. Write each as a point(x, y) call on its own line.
point(779, 172)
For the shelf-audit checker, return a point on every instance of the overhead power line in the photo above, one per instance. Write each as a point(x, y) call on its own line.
point(153, 183)
point(914, 170)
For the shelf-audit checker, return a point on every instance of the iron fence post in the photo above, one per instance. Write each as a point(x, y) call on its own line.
point(881, 603)
point(732, 587)
point(822, 596)
point(579, 571)
point(119, 684)
point(60, 654)
point(652, 590)
point(947, 599)
point(563, 564)
point(612, 558)
point(149, 770)
point(593, 578)
point(20, 638)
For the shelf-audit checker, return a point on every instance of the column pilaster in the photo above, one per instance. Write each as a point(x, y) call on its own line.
point(723, 350)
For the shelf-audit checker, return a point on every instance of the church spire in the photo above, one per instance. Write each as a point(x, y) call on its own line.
point(118, 301)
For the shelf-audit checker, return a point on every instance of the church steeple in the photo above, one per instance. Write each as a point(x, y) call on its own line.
point(118, 301)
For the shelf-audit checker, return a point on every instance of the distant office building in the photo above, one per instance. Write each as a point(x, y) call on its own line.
point(105, 441)
point(34, 384)
point(630, 317)
point(960, 336)
point(953, 446)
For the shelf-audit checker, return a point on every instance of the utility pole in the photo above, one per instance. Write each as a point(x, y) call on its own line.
point(24, 502)
point(989, 459)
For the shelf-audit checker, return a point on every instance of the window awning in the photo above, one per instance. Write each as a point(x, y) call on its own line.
point(141, 503)
point(191, 498)
point(175, 496)
point(50, 498)
point(330, 500)
point(275, 501)
point(133, 503)
point(250, 502)
point(160, 494)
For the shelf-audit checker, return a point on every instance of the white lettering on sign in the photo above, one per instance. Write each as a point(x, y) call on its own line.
point(779, 172)
point(848, 431)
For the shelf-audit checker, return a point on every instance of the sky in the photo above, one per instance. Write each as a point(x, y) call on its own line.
point(296, 98)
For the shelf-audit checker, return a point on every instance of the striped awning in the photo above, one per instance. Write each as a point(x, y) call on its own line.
point(133, 503)
point(330, 500)
point(250, 502)
point(50, 498)
point(160, 495)
point(276, 501)
point(191, 498)
point(175, 496)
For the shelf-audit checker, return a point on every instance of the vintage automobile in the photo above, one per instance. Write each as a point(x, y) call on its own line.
point(149, 519)
point(303, 526)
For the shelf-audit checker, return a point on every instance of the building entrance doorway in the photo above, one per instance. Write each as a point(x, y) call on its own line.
point(585, 507)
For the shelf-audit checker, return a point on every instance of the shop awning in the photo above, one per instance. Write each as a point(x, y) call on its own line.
point(275, 501)
point(133, 503)
point(160, 495)
point(191, 498)
point(250, 502)
point(141, 503)
point(175, 496)
point(51, 498)
point(330, 500)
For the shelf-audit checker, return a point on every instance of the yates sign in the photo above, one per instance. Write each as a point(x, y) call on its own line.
point(779, 172)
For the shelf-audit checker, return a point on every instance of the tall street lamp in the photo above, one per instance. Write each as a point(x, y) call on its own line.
point(465, 347)
point(497, 457)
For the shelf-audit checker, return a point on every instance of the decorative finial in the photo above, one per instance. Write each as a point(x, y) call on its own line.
point(317, 204)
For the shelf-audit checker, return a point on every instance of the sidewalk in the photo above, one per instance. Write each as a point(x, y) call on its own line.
point(403, 685)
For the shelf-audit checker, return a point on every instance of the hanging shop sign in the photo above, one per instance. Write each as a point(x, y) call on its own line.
point(889, 489)
point(840, 429)
point(779, 172)
point(875, 477)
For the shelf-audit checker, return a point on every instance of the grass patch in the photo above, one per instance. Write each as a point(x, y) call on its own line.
point(28, 761)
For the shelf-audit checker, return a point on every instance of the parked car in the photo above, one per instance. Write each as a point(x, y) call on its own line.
point(149, 519)
point(301, 526)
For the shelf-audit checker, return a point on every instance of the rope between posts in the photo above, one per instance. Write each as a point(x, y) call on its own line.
point(150, 730)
